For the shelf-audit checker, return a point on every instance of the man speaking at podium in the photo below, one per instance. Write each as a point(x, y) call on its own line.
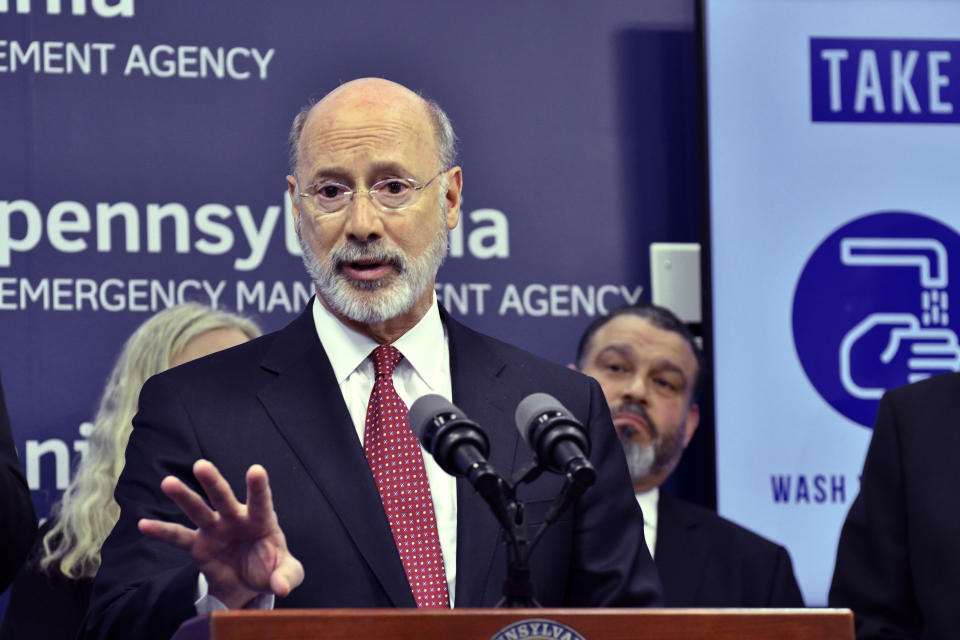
point(283, 472)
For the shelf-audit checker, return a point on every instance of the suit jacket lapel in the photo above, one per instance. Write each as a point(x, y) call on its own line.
point(307, 407)
point(478, 390)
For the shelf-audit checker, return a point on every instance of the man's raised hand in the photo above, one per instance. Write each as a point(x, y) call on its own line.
point(239, 548)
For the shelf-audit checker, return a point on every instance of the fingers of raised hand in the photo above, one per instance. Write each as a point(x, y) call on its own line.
point(169, 532)
point(192, 505)
point(259, 497)
point(217, 489)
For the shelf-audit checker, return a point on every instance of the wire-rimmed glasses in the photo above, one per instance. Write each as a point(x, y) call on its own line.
point(390, 194)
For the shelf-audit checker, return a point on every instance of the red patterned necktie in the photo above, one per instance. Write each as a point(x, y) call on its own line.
point(397, 465)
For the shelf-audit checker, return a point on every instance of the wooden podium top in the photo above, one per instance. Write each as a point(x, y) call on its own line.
point(486, 624)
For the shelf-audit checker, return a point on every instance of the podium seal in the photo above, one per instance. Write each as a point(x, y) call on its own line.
point(537, 629)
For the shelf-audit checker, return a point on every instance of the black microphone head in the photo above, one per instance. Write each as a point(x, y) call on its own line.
point(454, 441)
point(551, 431)
point(531, 408)
point(422, 414)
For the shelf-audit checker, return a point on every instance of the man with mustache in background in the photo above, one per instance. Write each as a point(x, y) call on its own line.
point(649, 366)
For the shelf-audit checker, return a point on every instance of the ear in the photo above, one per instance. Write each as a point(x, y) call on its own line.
point(292, 188)
point(572, 367)
point(692, 422)
point(453, 199)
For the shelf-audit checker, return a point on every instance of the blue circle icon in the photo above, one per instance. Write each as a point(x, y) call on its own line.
point(872, 309)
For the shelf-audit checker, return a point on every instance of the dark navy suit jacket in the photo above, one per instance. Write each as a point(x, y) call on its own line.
point(275, 401)
point(705, 560)
point(898, 564)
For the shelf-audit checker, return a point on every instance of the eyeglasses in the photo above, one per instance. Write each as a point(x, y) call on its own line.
point(391, 194)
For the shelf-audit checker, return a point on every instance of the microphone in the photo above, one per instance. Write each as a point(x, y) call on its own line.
point(558, 439)
point(457, 443)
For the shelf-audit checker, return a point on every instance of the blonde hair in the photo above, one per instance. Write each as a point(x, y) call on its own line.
point(87, 511)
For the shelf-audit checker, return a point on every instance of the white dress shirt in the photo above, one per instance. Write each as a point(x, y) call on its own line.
point(425, 368)
point(648, 501)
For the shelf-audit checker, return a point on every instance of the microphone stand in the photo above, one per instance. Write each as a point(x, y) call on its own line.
point(518, 588)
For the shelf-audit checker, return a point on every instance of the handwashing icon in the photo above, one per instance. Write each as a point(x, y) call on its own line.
point(929, 346)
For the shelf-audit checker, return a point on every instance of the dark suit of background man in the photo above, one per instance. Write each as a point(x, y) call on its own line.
point(375, 190)
point(898, 559)
point(648, 364)
point(18, 523)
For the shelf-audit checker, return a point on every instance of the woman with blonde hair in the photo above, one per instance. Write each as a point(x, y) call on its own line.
point(50, 594)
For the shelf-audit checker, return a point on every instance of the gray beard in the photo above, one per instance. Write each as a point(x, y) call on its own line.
point(640, 459)
point(647, 459)
point(374, 301)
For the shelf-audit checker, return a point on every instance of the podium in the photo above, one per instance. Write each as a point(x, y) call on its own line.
point(527, 624)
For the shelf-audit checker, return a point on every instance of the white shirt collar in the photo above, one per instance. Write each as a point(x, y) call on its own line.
point(648, 501)
point(348, 349)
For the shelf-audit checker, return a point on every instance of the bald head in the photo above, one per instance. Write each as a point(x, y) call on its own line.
point(376, 96)
point(373, 91)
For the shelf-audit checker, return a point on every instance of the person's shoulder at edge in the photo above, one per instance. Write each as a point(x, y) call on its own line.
point(945, 386)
